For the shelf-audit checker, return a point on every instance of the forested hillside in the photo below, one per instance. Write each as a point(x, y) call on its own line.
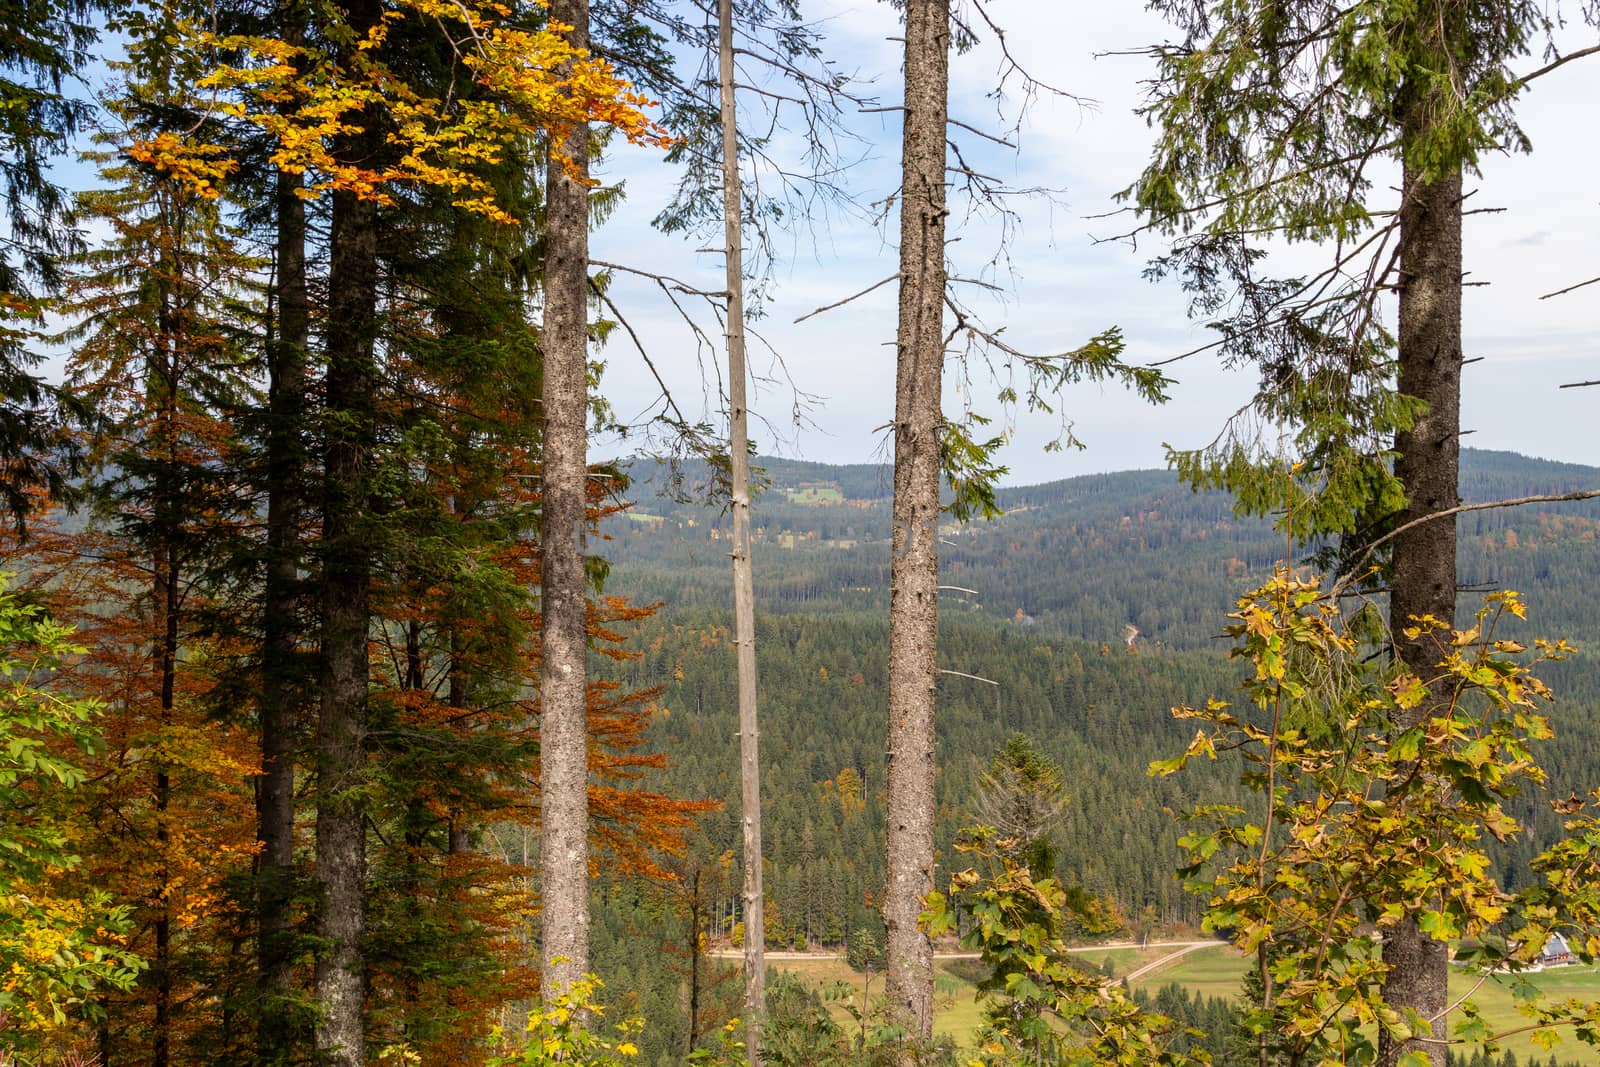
point(1055, 583)
point(1083, 558)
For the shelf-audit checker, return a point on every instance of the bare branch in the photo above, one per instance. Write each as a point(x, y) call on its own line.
point(1570, 288)
point(953, 122)
point(1561, 62)
point(1552, 498)
point(666, 393)
point(973, 677)
point(1031, 82)
point(663, 280)
point(852, 296)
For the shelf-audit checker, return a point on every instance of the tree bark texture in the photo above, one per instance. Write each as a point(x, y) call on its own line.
point(914, 576)
point(744, 594)
point(1428, 466)
point(350, 388)
point(280, 616)
point(563, 722)
point(161, 384)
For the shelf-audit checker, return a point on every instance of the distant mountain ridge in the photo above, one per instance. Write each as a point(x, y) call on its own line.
point(1086, 556)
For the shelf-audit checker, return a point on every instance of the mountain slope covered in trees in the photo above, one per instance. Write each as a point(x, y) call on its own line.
point(1035, 641)
point(1035, 635)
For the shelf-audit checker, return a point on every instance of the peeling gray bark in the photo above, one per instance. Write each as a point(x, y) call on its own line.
point(563, 720)
point(744, 596)
point(914, 576)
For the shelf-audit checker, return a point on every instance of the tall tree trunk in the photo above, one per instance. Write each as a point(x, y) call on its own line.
point(280, 615)
point(1428, 466)
point(347, 562)
point(914, 574)
point(563, 719)
point(167, 585)
point(161, 387)
point(744, 594)
point(696, 919)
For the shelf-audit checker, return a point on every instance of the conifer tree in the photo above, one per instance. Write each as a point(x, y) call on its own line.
point(744, 595)
point(349, 415)
point(43, 53)
point(281, 701)
point(1272, 123)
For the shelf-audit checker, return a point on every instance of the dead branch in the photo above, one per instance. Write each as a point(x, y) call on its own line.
point(1559, 62)
point(666, 393)
point(953, 122)
point(852, 296)
point(973, 677)
point(1552, 498)
point(1570, 288)
point(663, 280)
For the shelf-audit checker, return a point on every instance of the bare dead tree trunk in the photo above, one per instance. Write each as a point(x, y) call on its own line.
point(350, 400)
point(280, 615)
point(1428, 466)
point(744, 594)
point(563, 723)
point(914, 575)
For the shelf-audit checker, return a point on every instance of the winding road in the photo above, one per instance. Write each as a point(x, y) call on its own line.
point(1179, 950)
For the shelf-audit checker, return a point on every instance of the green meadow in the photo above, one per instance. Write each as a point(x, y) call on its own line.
point(1216, 972)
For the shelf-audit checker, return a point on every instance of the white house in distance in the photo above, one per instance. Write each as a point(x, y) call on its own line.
point(1556, 952)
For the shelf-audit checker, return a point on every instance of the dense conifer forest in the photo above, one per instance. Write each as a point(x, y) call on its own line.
point(1058, 580)
point(407, 658)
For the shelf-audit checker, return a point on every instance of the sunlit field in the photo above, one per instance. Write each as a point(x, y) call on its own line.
point(1218, 972)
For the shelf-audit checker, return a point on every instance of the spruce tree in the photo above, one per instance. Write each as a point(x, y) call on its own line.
point(1276, 122)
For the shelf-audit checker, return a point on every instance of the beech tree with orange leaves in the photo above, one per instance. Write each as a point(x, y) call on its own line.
point(161, 309)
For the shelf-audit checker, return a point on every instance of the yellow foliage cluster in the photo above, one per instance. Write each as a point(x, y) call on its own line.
point(530, 83)
point(202, 168)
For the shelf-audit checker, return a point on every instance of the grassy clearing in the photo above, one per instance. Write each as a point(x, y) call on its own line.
point(1494, 999)
point(1217, 973)
point(956, 1012)
point(815, 494)
point(1210, 972)
point(1123, 960)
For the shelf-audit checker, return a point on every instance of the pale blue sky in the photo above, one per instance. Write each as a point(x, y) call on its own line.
point(1066, 288)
